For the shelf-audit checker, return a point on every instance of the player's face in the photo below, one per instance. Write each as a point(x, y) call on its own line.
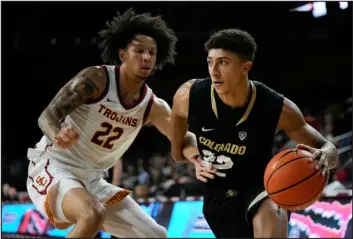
point(140, 56)
point(225, 69)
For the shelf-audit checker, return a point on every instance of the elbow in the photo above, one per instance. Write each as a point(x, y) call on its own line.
point(43, 122)
point(40, 121)
point(336, 162)
point(176, 155)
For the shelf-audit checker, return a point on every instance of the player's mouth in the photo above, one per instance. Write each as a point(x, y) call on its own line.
point(217, 83)
point(145, 68)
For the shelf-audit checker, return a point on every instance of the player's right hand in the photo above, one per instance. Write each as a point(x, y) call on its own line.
point(66, 137)
point(203, 173)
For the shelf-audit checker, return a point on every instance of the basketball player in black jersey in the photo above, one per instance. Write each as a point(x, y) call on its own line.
point(235, 120)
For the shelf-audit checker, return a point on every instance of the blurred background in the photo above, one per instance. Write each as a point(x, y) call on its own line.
point(304, 52)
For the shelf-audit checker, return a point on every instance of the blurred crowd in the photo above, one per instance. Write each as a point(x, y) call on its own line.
point(160, 175)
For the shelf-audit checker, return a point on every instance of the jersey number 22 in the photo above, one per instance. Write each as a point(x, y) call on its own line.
point(107, 135)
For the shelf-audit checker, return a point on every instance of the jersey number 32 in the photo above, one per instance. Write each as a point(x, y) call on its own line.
point(224, 162)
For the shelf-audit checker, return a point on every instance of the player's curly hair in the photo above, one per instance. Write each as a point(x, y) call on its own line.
point(235, 40)
point(123, 28)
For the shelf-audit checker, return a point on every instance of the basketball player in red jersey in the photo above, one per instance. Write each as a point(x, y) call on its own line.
point(89, 125)
point(235, 120)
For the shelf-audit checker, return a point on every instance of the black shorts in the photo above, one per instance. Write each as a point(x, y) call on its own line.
point(230, 214)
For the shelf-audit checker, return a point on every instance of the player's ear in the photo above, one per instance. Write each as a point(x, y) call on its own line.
point(246, 66)
point(122, 55)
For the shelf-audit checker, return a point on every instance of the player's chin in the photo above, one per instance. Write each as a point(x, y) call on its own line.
point(221, 90)
point(143, 75)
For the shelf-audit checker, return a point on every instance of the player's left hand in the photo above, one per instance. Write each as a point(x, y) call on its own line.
point(202, 173)
point(319, 155)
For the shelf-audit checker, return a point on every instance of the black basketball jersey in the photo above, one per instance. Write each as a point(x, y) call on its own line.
point(238, 142)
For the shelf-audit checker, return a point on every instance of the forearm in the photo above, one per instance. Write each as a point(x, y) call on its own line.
point(184, 143)
point(49, 124)
point(117, 173)
point(183, 151)
point(330, 150)
point(116, 180)
point(190, 146)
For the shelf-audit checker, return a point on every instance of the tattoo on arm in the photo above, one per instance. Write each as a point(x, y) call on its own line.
point(87, 85)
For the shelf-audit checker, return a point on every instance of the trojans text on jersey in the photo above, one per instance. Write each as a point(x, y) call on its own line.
point(110, 114)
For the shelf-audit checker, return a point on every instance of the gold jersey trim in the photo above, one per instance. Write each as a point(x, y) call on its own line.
point(248, 110)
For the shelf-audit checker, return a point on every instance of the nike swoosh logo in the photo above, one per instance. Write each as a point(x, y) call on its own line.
point(205, 130)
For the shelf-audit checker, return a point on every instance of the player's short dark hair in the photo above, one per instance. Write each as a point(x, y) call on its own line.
point(123, 28)
point(235, 40)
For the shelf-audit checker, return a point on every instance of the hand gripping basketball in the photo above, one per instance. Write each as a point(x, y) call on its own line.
point(319, 156)
point(292, 179)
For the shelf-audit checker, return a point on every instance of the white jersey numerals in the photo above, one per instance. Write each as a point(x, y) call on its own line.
point(225, 162)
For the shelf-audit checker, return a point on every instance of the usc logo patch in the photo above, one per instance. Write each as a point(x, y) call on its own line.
point(42, 180)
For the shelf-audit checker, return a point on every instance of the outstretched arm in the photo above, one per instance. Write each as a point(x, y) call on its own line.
point(160, 117)
point(182, 145)
point(85, 86)
point(293, 123)
point(183, 141)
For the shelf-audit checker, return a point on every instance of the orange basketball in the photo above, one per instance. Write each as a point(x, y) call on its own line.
point(292, 181)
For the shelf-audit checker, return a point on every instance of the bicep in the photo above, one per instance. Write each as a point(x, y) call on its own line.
point(179, 120)
point(85, 86)
point(180, 112)
point(293, 123)
point(160, 116)
point(181, 100)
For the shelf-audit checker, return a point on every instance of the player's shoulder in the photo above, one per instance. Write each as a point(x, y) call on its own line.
point(261, 85)
point(189, 90)
point(159, 102)
point(187, 85)
point(192, 85)
point(263, 89)
point(90, 83)
point(200, 90)
point(183, 91)
point(202, 83)
point(96, 74)
point(99, 70)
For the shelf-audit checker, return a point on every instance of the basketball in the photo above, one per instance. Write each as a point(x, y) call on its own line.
point(292, 181)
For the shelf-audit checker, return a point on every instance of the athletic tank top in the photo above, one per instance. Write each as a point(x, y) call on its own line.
point(106, 128)
point(238, 142)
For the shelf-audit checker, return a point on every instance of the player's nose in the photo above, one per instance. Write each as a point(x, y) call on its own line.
point(146, 57)
point(214, 71)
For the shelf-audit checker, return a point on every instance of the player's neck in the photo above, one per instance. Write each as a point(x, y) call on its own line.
point(129, 85)
point(239, 95)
